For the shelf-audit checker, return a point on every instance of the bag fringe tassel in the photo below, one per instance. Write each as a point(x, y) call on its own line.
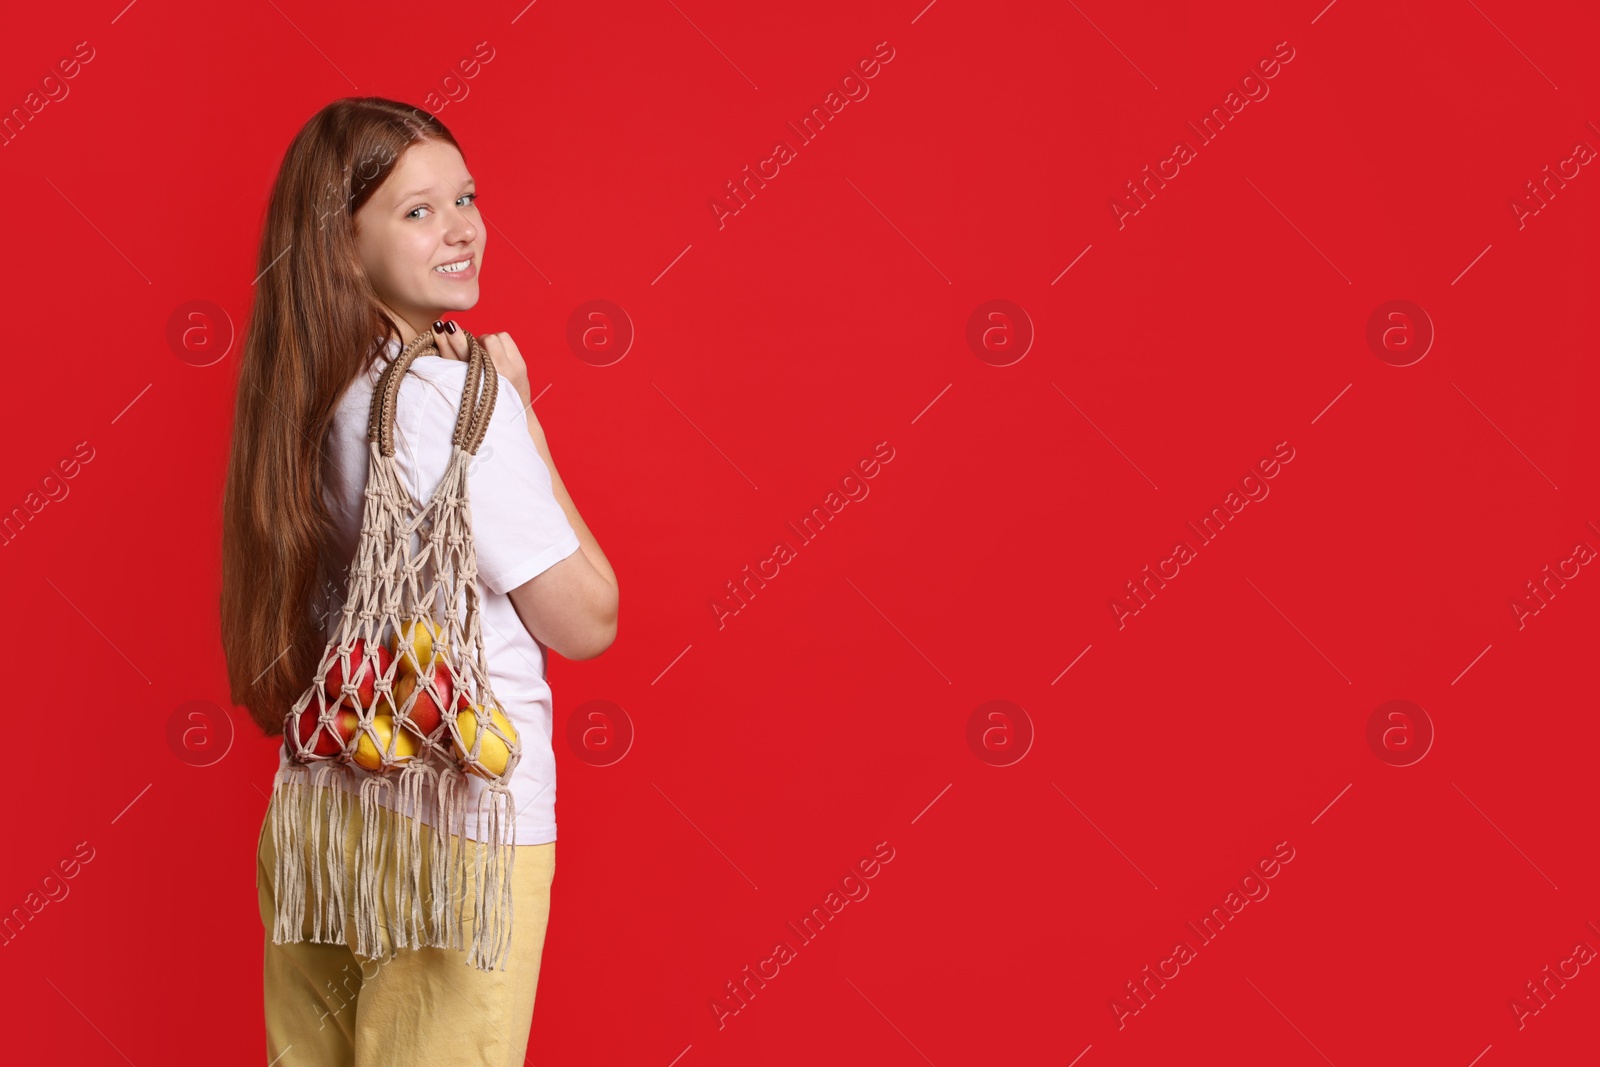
point(311, 803)
point(492, 910)
point(412, 931)
point(446, 883)
point(331, 785)
point(369, 863)
point(289, 872)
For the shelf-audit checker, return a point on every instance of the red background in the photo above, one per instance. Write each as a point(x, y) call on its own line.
point(832, 712)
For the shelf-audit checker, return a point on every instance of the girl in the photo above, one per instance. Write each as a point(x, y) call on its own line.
point(372, 237)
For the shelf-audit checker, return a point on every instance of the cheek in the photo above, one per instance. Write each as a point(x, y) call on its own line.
point(416, 252)
point(400, 262)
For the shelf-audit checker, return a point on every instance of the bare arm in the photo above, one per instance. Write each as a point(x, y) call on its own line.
point(572, 606)
point(591, 547)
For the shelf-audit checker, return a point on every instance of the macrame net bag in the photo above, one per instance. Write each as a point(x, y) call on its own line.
point(402, 691)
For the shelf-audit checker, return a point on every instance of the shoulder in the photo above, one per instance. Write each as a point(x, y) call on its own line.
point(439, 378)
point(433, 383)
point(429, 392)
point(429, 403)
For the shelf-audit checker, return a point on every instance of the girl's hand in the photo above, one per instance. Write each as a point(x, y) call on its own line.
point(508, 362)
point(451, 345)
point(502, 353)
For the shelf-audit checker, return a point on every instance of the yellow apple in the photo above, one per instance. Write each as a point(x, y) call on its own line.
point(421, 639)
point(370, 756)
point(493, 754)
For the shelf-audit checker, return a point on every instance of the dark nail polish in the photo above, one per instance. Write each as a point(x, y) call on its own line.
point(450, 327)
point(438, 326)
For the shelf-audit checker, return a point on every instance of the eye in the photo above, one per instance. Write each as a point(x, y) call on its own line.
point(472, 197)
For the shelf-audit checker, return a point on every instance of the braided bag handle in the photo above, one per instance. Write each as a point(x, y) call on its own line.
point(402, 691)
point(471, 424)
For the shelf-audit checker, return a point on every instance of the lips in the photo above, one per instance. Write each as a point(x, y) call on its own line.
point(469, 271)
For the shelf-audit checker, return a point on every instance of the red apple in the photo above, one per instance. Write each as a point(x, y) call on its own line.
point(426, 714)
point(361, 671)
point(329, 741)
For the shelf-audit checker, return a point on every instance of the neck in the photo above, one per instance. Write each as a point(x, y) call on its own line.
point(409, 331)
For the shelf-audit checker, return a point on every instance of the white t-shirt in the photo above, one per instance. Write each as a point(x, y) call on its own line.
point(518, 529)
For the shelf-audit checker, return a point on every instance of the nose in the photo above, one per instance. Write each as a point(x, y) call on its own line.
point(464, 230)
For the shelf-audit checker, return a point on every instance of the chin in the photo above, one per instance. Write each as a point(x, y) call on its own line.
point(459, 301)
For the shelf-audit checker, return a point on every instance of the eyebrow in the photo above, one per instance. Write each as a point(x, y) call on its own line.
point(419, 192)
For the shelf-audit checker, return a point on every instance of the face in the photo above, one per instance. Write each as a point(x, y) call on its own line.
point(422, 218)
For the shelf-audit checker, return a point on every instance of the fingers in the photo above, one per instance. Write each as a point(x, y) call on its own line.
point(511, 347)
point(495, 345)
point(500, 348)
point(450, 340)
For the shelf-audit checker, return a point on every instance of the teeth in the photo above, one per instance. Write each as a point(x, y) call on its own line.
point(452, 268)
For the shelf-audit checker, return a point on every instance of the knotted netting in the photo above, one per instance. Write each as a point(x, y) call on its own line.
point(402, 692)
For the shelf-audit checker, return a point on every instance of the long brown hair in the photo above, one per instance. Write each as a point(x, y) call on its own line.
point(312, 327)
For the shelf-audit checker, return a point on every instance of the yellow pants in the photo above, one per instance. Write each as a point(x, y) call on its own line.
point(327, 1006)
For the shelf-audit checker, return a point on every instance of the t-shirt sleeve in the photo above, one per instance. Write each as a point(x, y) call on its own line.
point(524, 531)
point(519, 529)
